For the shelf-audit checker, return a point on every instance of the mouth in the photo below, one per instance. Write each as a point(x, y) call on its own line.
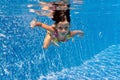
point(63, 34)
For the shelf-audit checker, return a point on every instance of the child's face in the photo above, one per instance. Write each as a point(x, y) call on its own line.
point(63, 28)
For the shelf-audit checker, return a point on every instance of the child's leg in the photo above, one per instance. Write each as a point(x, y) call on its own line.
point(48, 13)
point(47, 41)
point(46, 6)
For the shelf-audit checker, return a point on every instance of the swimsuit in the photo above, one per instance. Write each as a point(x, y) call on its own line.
point(54, 36)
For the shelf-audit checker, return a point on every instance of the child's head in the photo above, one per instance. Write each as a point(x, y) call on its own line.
point(62, 15)
point(63, 28)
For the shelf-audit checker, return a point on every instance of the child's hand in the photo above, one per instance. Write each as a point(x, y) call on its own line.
point(80, 33)
point(33, 23)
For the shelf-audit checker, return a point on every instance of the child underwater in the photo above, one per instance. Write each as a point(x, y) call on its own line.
point(60, 30)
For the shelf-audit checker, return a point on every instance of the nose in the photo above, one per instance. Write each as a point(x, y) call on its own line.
point(63, 30)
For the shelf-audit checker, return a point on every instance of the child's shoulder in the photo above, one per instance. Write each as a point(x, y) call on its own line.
point(53, 25)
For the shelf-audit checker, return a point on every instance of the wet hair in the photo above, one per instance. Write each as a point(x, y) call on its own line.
point(61, 15)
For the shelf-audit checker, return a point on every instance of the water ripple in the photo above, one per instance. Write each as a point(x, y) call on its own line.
point(104, 66)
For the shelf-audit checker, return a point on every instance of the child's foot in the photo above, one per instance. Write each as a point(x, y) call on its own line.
point(29, 5)
point(33, 23)
point(32, 10)
point(43, 3)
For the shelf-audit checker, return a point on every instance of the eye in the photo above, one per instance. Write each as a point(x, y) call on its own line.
point(60, 28)
point(66, 28)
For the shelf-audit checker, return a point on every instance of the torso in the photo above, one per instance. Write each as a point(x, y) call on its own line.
point(59, 38)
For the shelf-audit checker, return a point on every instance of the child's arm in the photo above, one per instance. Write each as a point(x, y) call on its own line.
point(76, 32)
point(34, 23)
point(49, 28)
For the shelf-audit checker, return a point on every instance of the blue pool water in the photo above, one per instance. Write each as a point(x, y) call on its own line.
point(96, 56)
